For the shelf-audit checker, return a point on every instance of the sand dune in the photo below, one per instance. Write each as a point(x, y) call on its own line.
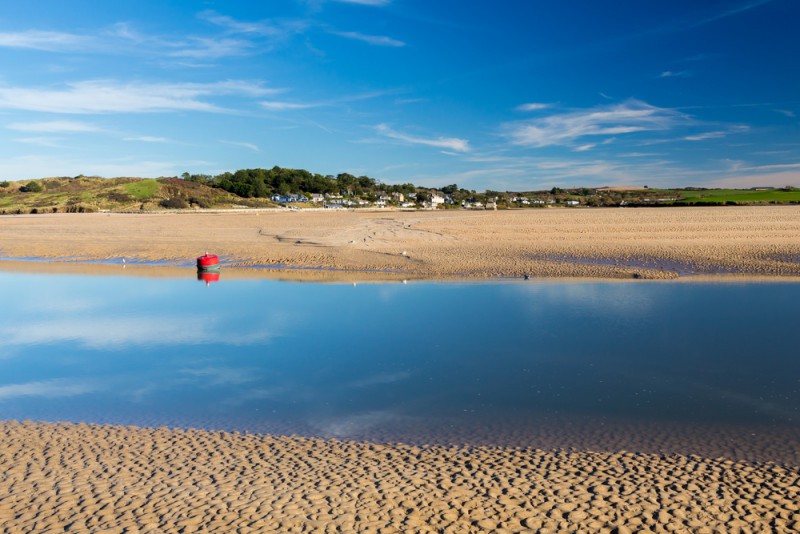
point(606, 243)
point(88, 478)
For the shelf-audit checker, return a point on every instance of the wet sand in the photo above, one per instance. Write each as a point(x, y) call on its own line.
point(593, 243)
point(90, 478)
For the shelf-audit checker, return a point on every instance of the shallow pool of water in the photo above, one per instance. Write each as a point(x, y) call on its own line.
point(660, 367)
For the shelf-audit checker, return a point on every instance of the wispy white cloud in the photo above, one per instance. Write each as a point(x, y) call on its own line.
point(98, 96)
point(282, 105)
point(53, 127)
point(213, 48)
point(718, 134)
point(675, 74)
point(233, 25)
point(747, 6)
point(43, 40)
point(584, 148)
point(277, 105)
point(533, 106)
point(640, 154)
point(249, 146)
point(376, 3)
point(377, 40)
point(49, 142)
point(564, 128)
point(705, 135)
point(147, 139)
point(787, 112)
point(451, 143)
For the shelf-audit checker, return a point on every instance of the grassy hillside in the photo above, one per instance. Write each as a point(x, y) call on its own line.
point(87, 194)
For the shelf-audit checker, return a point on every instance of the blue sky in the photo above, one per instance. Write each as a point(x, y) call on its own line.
point(507, 95)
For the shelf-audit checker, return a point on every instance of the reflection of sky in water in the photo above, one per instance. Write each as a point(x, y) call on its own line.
point(341, 360)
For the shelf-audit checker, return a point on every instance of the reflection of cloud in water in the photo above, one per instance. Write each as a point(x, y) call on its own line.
point(380, 379)
point(105, 333)
point(222, 376)
point(620, 298)
point(49, 389)
point(51, 304)
point(257, 394)
point(353, 425)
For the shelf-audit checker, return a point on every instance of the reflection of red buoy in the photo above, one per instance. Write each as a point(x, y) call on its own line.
point(208, 261)
point(208, 276)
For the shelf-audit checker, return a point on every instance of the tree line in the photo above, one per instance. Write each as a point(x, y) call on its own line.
point(263, 183)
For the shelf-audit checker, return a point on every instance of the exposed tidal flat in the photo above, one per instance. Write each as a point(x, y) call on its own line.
point(591, 243)
point(89, 478)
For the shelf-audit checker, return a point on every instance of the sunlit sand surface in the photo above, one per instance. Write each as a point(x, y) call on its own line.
point(86, 478)
point(599, 243)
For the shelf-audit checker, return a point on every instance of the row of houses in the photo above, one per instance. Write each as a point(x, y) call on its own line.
point(333, 201)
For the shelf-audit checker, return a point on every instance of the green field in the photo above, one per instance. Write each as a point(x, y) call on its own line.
point(738, 195)
point(143, 189)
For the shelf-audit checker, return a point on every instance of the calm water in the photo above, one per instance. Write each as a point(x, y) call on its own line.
point(686, 367)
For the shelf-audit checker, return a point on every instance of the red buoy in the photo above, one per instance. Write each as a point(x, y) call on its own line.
point(208, 261)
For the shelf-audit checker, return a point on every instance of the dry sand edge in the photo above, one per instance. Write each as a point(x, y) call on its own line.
point(90, 478)
point(606, 243)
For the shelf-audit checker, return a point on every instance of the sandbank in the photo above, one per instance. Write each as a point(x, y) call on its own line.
point(645, 243)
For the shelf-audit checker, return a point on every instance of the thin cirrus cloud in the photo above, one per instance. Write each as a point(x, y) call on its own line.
point(89, 97)
point(564, 128)
point(376, 40)
point(53, 127)
point(249, 146)
point(375, 3)
point(210, 48)
point(450, 143)
point(43, 40)
point(276, 105)
point(282, 105)
point(675, 74)
point(533, 106)
point(147, 139)
point(717, 134)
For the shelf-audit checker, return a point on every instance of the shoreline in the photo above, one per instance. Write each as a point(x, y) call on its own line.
point(66, 266)
point(95, 477)
point(632, 243)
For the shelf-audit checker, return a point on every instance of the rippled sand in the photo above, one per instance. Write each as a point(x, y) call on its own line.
point(604, 243)
point(88, 478)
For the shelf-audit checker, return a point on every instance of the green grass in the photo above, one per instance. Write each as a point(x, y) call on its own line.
point(143, 189)
point(738, 195)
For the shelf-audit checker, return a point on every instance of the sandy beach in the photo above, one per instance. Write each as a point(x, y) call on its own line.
point(593, 243)
point(89, 478)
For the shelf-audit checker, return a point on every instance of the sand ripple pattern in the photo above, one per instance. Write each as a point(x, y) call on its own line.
point(90, 478)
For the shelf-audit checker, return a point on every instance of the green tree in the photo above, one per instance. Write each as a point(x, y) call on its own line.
point(31, 187)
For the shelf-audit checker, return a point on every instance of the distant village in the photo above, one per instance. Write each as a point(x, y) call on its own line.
point(433, 199)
